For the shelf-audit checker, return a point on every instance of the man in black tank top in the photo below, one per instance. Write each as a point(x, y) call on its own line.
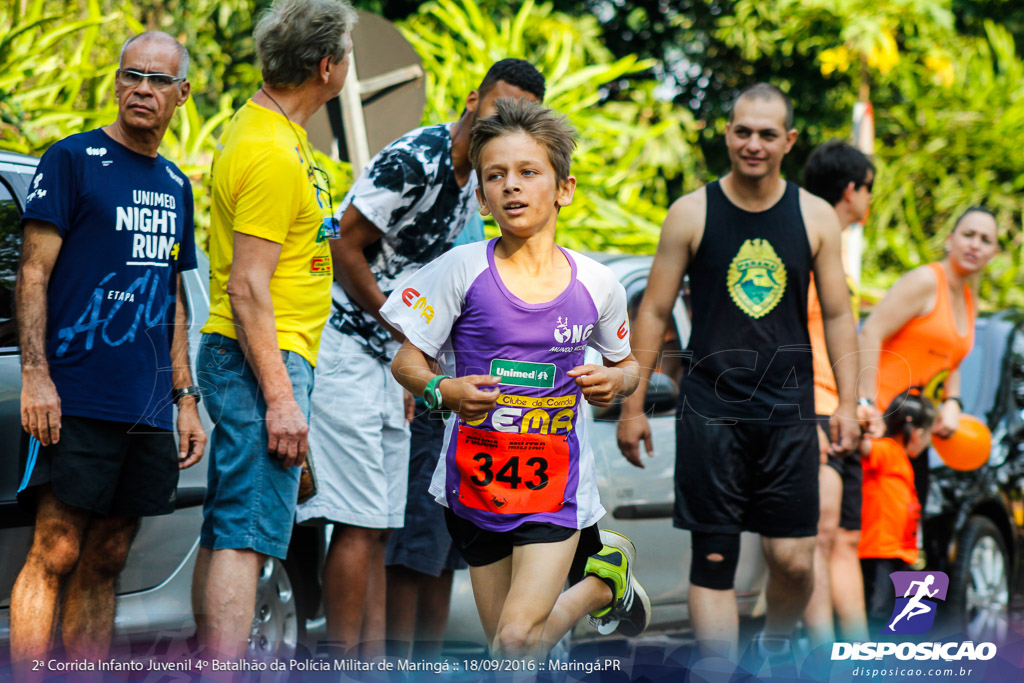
point(747, 450)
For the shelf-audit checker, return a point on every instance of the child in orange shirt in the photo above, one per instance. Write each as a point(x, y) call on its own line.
point(891, 510)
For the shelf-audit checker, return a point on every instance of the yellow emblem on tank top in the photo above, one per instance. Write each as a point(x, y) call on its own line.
point(756, 278)
point(935, 388)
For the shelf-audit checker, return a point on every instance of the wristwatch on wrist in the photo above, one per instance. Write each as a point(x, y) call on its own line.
point(192, 390)
point(865, 401)
point(955, 399)
point(432, 392)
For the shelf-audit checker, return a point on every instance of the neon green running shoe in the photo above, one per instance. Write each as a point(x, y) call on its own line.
point(630, 610)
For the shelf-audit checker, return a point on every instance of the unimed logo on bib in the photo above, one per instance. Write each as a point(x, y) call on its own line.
point(917, 596)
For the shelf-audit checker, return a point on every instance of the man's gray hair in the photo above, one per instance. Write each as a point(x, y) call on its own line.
point(160, 35)
point(294, 35)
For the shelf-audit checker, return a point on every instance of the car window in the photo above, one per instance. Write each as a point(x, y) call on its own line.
point(10, 247)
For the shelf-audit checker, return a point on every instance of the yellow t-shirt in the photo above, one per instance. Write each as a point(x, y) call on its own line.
point(262, 186)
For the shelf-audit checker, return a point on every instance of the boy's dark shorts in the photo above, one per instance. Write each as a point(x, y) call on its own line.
point(481, 547)
point(111, 469)
point(747, 476)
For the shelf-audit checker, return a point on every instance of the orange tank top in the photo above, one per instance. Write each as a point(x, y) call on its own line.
point(826, 395)
point(925, 350)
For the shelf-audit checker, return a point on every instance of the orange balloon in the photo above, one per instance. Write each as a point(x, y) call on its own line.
point(968, 447)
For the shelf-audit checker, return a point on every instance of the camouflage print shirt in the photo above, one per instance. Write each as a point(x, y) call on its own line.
point(409, 191)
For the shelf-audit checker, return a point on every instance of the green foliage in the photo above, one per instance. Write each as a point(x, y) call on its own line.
point(629, 148)
point(942, 149)
point(48, 79)
point(948, 105)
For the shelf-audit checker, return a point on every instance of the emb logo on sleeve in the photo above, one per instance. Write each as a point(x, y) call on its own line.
point(412, 299)
point(756, 278)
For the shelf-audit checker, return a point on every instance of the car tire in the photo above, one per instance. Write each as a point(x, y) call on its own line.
point(979, 585)
point(278, 624)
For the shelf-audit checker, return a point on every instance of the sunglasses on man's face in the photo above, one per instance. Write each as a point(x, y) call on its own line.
point(130, 78)
point(869, 184)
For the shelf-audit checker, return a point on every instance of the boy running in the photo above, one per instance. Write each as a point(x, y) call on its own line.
point(508, 321)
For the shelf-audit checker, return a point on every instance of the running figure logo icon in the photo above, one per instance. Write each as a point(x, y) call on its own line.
point(916, 595)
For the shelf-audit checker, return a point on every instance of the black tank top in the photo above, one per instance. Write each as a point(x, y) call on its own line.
point(750, 352)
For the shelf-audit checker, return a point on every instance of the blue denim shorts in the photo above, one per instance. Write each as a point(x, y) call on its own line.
point(250, 497)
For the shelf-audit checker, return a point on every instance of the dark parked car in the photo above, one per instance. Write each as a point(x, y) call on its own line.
point(974, 521)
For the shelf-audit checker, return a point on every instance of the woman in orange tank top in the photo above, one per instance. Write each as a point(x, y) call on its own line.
point(924, 327)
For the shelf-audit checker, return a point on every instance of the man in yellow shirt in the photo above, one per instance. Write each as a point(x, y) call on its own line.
point(270, 278)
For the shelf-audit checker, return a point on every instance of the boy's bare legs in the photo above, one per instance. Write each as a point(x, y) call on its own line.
point(491, 584)
point(589, 595)
point(516, 595)
point(539, 571)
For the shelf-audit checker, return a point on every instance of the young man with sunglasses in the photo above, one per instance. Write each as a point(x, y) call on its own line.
point(270, 277)
point(101, 314)
point(841, 175)
point(405, 209)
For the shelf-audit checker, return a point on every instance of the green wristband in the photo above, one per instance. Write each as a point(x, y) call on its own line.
point(432, 392)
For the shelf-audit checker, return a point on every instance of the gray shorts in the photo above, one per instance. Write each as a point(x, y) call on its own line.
point(359, 438)
point(424, 544)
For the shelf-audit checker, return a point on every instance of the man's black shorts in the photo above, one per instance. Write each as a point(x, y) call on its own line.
point(748, 476)
point(112, 469)
point(480, 547)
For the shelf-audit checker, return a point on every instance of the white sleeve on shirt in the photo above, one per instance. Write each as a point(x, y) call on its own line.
point(425, 306)
point(611, 334)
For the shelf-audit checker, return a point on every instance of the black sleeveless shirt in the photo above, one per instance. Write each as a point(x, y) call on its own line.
point(749, 349)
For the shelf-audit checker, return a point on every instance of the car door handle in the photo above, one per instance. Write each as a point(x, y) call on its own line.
point(643, 511)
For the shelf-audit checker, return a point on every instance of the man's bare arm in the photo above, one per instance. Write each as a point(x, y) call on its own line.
point(680, 235)
point(351, 269)
point(40, 404)
point(191, 435)
point(252, 267)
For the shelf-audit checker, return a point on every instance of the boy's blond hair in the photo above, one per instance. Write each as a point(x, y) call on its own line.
point(521, 115)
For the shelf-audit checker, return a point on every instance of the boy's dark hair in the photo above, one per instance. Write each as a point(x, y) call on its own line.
point(909, 411)
point(764, 91)
point(832, 167)
point(521, 115)
point(517, 72)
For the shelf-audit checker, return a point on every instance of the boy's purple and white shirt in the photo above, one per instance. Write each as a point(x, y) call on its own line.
point(457, 309)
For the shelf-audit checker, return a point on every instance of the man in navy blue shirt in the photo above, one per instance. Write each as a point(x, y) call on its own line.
point(108, 232)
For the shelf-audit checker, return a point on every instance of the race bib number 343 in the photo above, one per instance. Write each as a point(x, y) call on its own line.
point(510, 473)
